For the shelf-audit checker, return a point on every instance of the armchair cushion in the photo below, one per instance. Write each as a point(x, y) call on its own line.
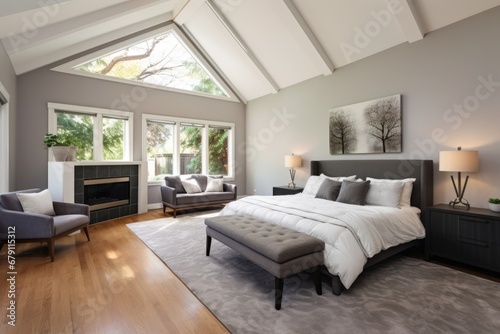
point(68, 222)
point(40, 202)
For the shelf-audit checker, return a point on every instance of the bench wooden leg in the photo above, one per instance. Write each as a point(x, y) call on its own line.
point(278, 292)
point(209, 243)
point(317, 280)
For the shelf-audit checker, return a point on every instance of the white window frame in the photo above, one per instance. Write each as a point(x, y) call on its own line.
point(69, 67)
point(4, 132)
point(99, 114)
point(176, 139)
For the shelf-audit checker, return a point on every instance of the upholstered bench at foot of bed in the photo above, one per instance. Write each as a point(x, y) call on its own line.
point(280, 251)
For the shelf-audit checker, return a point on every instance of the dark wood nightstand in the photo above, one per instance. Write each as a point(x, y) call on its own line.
point(467, 236)
point(285, 190)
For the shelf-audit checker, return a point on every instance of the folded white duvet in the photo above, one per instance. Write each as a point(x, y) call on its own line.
point(351, 233)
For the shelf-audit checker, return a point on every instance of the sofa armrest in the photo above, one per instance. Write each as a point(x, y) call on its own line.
point(25, 225)
point(168, 195)
point(230, 188)
point(62, 208)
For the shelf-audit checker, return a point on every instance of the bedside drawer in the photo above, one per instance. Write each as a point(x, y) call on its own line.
point(475, 229)
point(480, 254)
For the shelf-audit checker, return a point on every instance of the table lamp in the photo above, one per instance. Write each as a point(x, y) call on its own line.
point(292, 161)
point(461, 162)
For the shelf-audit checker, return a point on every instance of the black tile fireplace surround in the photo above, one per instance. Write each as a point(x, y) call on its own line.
point(85, 173)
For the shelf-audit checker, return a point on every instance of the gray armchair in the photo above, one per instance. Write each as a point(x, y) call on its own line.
point(31, 227)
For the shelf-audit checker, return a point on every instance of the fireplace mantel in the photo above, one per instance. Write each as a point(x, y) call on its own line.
point(62, 180)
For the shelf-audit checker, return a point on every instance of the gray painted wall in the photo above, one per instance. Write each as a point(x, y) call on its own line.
point(9, 81)
point(41, 86)
point(436, 76)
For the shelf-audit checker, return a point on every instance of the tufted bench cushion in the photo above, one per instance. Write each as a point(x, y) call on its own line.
point(279, 250)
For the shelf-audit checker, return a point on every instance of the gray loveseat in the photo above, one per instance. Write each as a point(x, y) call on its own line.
point(174, 194)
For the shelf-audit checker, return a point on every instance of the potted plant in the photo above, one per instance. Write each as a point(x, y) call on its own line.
point(494, 204)
point(61, 146)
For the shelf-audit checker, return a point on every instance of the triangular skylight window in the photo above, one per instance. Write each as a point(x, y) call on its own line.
point(162, 60)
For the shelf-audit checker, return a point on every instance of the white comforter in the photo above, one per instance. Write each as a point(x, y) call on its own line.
point(351, 233)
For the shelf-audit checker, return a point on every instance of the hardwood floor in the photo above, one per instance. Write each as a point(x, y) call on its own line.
point(112, 284)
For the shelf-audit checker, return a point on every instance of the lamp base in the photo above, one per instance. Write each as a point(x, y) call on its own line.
point(460, 202)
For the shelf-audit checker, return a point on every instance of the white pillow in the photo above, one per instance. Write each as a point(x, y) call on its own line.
point(315, 181)
point(191, 186)
point(313, 184)
point(405, 199)
point(339, 178)
point(214, 185)
point(40, 203)
point(384, 193)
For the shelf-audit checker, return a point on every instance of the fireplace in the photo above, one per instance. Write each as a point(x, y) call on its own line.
point(106, 192)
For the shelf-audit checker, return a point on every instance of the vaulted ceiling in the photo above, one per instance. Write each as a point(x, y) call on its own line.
point(257, 46)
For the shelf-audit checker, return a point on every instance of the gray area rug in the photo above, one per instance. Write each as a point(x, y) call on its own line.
point(401, 295)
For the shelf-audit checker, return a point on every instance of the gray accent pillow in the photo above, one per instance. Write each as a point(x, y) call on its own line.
point(353, 192)
point(329, 190)
point(175, 182)
point(201, 180)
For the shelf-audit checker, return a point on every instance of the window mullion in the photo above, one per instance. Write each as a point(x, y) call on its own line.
point(176, 155)
point(204, 150)
point(98, 138)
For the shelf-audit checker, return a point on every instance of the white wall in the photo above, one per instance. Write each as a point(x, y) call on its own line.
point(9, 81)
point(437, 75)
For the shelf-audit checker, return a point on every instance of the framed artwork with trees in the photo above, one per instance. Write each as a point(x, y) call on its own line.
point(366, 127)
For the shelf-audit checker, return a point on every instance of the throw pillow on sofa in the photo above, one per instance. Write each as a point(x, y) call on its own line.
point(191, 186)
point(214, 185)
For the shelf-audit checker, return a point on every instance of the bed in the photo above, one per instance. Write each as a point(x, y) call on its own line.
point(356, 237)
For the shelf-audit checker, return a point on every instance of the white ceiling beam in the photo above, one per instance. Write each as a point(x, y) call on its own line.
point(212, 63)
point(319, 55)
point(14, 7)
point(185, 9)
point(242, 44)
point(408, 19)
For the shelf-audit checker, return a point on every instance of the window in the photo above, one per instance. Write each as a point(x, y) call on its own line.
point(190, 146)
point(160, 147)
point(4, 139)
point(181, 146)
point(163, 58)
point(218, 149)
point(98, 134)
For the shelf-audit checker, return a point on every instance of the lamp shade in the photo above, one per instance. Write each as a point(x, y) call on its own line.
point(458, 161)
point(293, 161)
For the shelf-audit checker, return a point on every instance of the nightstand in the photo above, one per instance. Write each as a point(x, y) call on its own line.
point(468, 236)
point(285, 190)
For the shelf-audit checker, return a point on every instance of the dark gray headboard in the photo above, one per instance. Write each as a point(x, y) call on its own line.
point(422, 195)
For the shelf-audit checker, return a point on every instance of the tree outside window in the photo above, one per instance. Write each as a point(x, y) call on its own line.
point(160, 149)
point(80, 128)
point(190, 148)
